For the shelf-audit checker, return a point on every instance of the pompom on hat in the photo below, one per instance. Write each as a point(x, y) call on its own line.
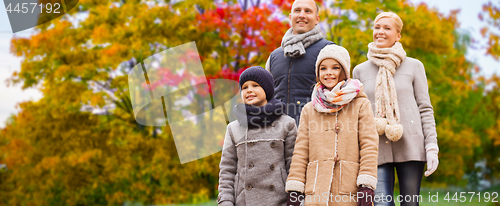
point(338, 53)
point(262, 77)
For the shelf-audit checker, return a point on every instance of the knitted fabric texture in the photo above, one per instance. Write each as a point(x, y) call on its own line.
point(386, 100)
point(294, 45)
point(258, 117)
point(332, 101)
point(261, 76)
point(338, 53)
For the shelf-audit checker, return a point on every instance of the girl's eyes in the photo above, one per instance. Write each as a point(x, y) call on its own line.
point(387, 28)
point(324, 68)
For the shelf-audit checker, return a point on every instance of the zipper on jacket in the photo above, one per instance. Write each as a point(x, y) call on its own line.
point(288, 87)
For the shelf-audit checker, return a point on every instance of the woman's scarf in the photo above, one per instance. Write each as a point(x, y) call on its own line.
point(294, 45)
point(386, 99)
point(332, 101)
point(258, 117)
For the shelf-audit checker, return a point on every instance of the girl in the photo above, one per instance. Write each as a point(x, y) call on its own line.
point(258, 146)
point(337, 144)
point(397, 83)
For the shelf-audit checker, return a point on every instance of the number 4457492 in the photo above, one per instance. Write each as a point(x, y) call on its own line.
point(464, 196)
point(27, 7)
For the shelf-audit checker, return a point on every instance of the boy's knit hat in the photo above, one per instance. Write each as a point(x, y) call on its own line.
point(261, 76)
point(338, 53)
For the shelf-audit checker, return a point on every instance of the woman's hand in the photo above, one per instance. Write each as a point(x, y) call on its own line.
point(432, 160)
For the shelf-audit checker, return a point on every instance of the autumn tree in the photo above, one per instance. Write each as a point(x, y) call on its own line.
point(57, 154)
point(491, 145)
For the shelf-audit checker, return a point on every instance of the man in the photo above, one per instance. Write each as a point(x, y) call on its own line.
point(292, 64)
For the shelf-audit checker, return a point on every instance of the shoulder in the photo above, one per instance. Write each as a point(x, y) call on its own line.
point(361, 98)
point(278, 50)
point(307, 108)
point(412, 62)
point(363, 65)
point(323, 42)
point(233, 125)
point(286, 120)
point(362, 68)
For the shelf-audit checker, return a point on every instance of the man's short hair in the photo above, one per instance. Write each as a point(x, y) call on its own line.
point(317, 7)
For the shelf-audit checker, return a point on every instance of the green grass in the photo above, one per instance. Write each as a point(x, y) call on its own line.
point(426, 193)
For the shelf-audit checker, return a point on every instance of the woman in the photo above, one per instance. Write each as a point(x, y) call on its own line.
point(397, 87)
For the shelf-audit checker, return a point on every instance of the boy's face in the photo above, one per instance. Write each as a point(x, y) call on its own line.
point(253, 94)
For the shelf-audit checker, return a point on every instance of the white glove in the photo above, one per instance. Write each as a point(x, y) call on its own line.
point(432, 158)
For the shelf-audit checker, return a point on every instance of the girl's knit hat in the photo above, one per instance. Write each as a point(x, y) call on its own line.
point(261, 76)
point(338, 53)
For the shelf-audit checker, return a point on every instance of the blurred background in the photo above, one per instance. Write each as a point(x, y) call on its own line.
point(68, 135)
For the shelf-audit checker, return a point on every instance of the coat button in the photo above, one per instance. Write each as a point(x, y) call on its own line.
point(298, 102)
point(326, 129)
point(412, 121)
point(273, 144)
point(271, 187)
point(250, 144)
point(250, 166)
point(249, 187)
point(273, 166)
point(387, 142)
point(273, 124)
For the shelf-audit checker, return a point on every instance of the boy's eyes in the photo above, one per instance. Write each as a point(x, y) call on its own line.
point(246, 87)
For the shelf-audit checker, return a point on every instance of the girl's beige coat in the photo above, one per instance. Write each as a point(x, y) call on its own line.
point(315, 169)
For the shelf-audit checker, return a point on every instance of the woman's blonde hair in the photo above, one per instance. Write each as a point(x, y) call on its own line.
point(393, 16)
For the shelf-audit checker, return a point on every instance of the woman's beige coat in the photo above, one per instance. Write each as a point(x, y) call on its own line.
point(330, 169)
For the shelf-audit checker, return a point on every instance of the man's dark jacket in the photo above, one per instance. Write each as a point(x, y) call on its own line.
point(294, 78)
